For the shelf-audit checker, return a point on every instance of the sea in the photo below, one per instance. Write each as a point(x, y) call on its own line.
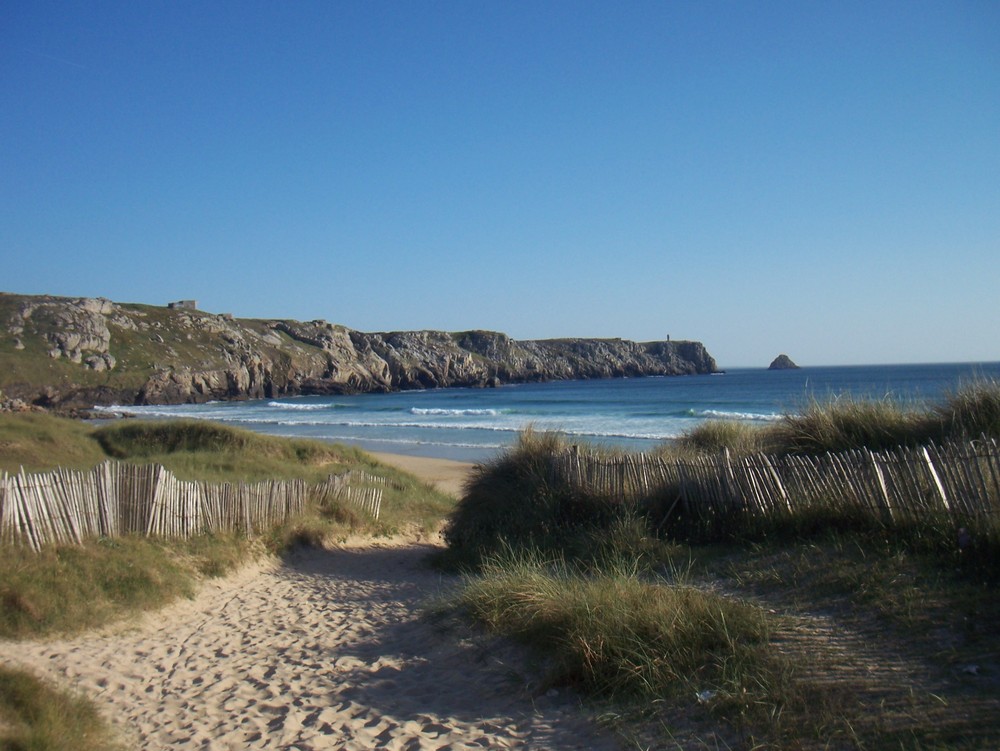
point(633, 413)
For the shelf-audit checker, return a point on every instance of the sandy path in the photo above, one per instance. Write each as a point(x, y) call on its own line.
point(325, 651)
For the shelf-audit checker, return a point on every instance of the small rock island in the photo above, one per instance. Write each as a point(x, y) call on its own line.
point(782, 362)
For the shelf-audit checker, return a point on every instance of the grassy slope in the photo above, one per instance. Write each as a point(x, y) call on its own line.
point(876, 639)
point(39, 717)
point(65, 589)
point(73, 587)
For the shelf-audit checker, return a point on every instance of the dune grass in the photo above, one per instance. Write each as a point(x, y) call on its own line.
point(36, 441)
point(844, 424)
point(969, 412)
point(716, 436)
point(622, 607)
point(38, 717)
point(70, 587)
point(615, 634)
point(202, 450)
point(67, 588)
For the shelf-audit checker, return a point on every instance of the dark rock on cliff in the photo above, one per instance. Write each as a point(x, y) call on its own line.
point(73, 353)
point(782, 362)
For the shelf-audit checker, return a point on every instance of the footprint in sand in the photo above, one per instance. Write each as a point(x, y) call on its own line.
point(326, 651)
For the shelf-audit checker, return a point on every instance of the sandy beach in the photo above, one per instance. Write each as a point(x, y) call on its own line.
point(446, 475)
point(327, 649)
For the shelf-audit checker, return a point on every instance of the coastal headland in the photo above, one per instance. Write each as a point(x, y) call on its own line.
point(73, 353)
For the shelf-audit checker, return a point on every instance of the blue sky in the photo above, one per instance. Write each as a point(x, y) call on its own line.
point(821, 179)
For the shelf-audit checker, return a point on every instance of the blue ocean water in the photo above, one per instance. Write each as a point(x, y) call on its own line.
point(636, 413)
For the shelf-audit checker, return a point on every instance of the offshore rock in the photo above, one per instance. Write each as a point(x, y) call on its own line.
point(782, 362)
point(67, 353)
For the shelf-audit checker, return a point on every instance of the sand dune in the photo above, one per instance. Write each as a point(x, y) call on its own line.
point(326, 650)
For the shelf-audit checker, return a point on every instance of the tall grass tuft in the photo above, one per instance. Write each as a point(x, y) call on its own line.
point(614, 634)
point(511, 499)
point(36, 717)
point(141, 438)
point(715, 436)
point(845, 424)
point(67, 588)
point(35, 440)
point(970, 412)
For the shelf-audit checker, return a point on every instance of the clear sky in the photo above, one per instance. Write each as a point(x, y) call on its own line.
point(815, 178)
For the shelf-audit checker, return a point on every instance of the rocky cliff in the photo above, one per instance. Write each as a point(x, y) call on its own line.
point(74, 353)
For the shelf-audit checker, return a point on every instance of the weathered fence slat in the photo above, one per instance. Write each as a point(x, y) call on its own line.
point(904, 484)
point(113, 499)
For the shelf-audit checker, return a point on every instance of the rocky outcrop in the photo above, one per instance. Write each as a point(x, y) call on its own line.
point(75, 353)
point(782, 362)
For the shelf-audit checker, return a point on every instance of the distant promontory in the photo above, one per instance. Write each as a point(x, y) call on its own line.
point(74, 353)
point(782, 362)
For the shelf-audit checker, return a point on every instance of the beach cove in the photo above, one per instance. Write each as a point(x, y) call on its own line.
point(638, 414)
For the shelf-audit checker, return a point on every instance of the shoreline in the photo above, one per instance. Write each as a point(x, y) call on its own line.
point(447, 475)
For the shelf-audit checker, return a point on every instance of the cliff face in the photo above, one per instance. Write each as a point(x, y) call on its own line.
point(75, 353)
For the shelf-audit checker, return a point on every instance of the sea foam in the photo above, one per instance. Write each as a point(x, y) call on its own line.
point(439, 411)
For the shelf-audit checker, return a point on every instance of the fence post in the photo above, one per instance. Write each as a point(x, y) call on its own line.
point(937, 480)
point(881, 483)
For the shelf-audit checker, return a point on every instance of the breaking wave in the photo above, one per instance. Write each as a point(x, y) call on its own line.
point(716, 414)
point(302, 407)
point(438, 411)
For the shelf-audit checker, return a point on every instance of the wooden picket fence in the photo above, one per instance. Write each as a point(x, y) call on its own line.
point(960, 479)
point(355, 487)
point(114, 499)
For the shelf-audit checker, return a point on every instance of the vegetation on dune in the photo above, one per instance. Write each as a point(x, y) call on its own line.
point(38, 441)
point(815, 629)
point(721, 624)
point(67, 588)
point(615, 633)
point(968, 413)
point(38, 717)
point(197, 449)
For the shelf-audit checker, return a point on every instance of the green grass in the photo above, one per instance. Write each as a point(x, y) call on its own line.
point(65, 589)
point(34, 716)
point(38, 441)
point(648, 635)
point(620, 610)
point(970, 412)
point(844, 424)
point(201, 450)
point(68, 588)
point(840, 424)
point(613, 633)
point(716, 436)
